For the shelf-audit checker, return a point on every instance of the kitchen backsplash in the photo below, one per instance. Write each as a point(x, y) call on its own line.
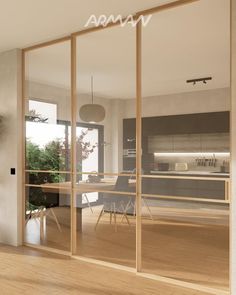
point(195, 162)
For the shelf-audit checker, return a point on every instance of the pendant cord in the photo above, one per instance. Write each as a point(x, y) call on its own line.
point(92, 88)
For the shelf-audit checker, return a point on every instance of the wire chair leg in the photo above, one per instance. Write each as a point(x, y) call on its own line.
point(148, 208)
point(87, 200)
point(99, 217)
point(55, 218)
point(114, 206)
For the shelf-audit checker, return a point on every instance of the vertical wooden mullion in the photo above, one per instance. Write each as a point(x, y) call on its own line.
point(232, 256)
point(73, 143)
point(138, 146)
point(23, 143)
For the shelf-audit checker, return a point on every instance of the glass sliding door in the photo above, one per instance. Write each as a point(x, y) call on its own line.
point(89, 154)
point(181, 214)
point(185, 144)
point(47, 145)
point(106, 162)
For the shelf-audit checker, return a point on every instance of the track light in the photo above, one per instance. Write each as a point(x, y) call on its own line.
point(204, 80)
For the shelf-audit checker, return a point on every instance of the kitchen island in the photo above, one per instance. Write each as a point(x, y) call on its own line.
point(199, 185)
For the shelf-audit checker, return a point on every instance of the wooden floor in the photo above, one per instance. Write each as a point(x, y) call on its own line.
point(187, 244)
point(30, 272)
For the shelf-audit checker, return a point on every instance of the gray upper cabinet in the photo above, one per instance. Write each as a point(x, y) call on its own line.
point(180, 133)
point(216, 122)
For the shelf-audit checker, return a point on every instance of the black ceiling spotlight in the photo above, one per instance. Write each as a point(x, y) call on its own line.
point(204, 80)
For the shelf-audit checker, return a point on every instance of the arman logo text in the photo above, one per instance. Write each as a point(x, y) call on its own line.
point(104, 20)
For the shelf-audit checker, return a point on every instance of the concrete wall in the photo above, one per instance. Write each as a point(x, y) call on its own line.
point(233, 150)
point(182, 103)
point(10, 148)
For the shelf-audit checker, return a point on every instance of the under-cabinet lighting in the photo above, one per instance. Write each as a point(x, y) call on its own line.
point(221, 154)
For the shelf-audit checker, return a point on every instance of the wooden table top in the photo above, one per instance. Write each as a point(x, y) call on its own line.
point(107, 184)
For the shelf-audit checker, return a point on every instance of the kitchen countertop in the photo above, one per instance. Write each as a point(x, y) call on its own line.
point(191, 173)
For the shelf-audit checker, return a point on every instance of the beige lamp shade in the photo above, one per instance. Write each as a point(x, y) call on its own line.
point(92, 113)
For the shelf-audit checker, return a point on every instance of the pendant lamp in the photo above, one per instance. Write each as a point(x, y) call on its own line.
point(92, 113)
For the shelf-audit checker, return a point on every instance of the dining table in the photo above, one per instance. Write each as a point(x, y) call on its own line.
point(82, 188)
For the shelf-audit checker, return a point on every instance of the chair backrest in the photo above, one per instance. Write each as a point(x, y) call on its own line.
point(122, 183)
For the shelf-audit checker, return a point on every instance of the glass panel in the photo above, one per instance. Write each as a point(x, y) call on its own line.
point(185, 142)
point(48, 217)
point(48, 119)
point(106, 153)
point(47, 178)
point(106, 88)
point(123, 183)
point(88, 148)
point(106, 226)
point(88, 139)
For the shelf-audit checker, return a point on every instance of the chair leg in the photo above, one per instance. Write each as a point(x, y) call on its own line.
point(55, 218)
point(148, 208)
point(125, 215)
point(134, 208)
point(110, 217)
point(126, 209)
point(87, 200)
point(41, 217)
point(114, 206)
point(99, 217)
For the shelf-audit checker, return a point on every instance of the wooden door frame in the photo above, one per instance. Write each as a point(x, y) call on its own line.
point(73, 42)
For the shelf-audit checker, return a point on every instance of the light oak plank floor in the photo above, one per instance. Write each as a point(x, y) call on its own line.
point(187, 243)
point(26, 271)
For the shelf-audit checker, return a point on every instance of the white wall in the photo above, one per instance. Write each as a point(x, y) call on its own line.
point(117, 135)
point(10, 148)
point(233, 150)
point(182, 103)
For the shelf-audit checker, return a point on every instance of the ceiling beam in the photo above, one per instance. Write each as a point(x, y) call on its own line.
point(48, 43)
point(165, 7)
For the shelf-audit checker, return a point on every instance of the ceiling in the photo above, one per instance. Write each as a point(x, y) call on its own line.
point(191, 41)
point(28, 22)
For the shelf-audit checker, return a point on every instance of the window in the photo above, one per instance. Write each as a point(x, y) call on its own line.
point(43, 111)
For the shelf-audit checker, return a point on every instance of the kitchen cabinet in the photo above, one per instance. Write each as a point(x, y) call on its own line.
point(129, 163)
point(184, 188)
point(179, 124)
point(129, 133)
point(217, 122)
point(202, 132)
